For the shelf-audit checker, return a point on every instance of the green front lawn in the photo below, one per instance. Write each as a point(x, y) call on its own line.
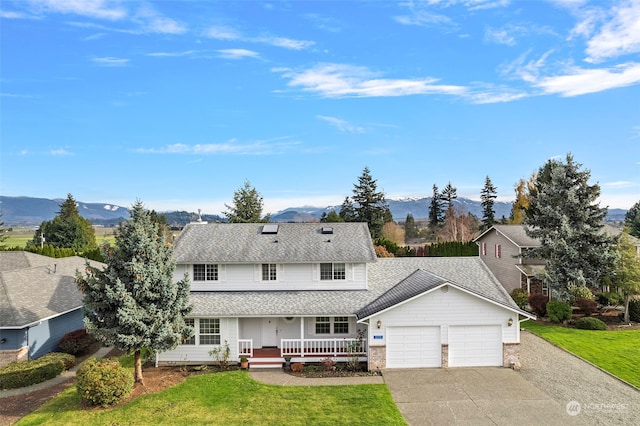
point(232, 398)
point(617, 352)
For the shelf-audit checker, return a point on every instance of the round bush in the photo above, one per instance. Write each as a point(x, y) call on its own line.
point(579, 292)
point(538, 303)
point(77, 342)
point(610, 298)
point(590, 323)
point(103, 382)
point(558, 311)
point(521, 297)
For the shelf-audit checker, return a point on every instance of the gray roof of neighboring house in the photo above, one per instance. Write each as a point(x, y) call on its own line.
point(383, 275)
point(292, 243)
point(34, 287)
point(515, 233)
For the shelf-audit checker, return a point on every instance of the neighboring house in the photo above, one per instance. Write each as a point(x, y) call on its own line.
point(39, 303)
point(501, 248)
point(308, 291)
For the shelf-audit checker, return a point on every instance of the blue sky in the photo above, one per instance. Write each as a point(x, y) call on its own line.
point(177, 103)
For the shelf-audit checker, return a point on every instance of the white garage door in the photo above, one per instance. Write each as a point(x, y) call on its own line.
point(413, 347)
point(475, 345)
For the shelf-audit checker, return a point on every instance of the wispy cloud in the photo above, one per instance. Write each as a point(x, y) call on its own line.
point(229, 33)
point(173, 54)
point(60, 152)
point(153, 22)
point(17, 95)
point(110, 61)
point(342, 125)
point(338, 80)
point(618, 36)
point(580, 81)
point(260, 147)
point(237, 53)
point(90, 8)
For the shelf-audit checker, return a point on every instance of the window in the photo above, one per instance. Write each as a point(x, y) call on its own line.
point(498, 250)
point(545, 288)
point(209, 331)
point(190, 322)
point(205, 272)
point(484, 249)
point(332, 271)
point(323, 325)
point(269, 272)
point(341, 325)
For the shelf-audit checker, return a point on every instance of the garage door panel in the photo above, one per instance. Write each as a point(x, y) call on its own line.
point(475, 345)
point(413, 347)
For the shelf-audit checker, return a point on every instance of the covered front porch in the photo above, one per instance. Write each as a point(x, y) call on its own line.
point(277, 340)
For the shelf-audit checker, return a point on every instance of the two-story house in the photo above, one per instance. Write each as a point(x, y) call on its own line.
point(308, 291)
point(501, 248)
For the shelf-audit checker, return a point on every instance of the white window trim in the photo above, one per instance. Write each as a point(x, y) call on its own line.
point(333, 271)
point(219, 269)
point(331, 326)
point(196, 337)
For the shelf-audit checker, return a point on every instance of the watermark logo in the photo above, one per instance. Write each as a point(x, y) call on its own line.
point(573, 408)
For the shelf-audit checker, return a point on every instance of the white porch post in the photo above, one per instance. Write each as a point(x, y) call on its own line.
point(302, 337)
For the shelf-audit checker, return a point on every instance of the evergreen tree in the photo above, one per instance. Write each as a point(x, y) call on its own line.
point(632, 220)
point(410, 228)
point(348, 211)
point(370, 204)
point(627, 271)
point(436, 214)
point(67, 230)
point(487, 198)
point(563, 216)
point(247, 206)
point(332, 217)
point(449, 193)
point(134, 303)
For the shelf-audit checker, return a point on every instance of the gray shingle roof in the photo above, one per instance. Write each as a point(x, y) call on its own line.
point(293, 243)
point(515, 233)
point(383, 275)
point(34, 287)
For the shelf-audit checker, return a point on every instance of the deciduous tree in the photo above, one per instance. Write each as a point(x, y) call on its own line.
point(564, 217)
point(247, 206)
point(134, 303)
point(627, 271)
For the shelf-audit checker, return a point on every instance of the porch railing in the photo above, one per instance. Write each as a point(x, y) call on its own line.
point(333, 347)
point(245, 347)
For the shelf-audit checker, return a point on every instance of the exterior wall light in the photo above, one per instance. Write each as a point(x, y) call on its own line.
point(379, 324)
point(510, 322)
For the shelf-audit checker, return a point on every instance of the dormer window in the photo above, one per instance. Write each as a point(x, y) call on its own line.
point(332, 271)
point(269, 272)
point(205, 272)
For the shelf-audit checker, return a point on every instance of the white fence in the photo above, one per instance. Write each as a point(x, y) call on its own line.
point(333, 347)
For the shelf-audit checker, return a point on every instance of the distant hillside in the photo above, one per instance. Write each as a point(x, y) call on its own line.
point(31, 212)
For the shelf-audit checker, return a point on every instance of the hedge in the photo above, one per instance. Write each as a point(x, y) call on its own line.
point(26, 373)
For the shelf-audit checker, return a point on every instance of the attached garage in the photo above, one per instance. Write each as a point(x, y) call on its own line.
point(475, 345)
point(428, 321)
point(413, 347)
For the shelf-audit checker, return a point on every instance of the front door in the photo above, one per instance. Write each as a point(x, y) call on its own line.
point(270, 332)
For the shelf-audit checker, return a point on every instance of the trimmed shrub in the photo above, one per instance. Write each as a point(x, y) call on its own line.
point(103, 382)
point(579, 292)
point(587, 306)
point(610, 298)
point(77, 342)
point(521, 297)
point(634, 310)
point(27, 373)
point(590, 323)
point(558, 311)
point(538, 303)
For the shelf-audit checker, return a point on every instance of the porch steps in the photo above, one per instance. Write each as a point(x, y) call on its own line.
point(265, 363)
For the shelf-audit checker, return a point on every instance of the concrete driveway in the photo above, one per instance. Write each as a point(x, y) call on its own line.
point(472, 396)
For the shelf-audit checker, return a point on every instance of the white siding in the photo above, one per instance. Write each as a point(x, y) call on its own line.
point(200, 353)
point(303, 276)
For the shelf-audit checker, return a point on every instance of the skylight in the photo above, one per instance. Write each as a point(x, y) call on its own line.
point(270, 228)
